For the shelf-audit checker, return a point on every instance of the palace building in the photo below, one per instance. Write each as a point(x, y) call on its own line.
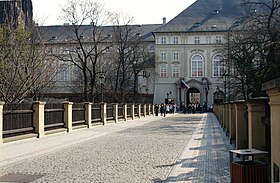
point(189, 64)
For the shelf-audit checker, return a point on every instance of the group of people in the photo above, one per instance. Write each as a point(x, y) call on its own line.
point(194, 107)
point(164, 108)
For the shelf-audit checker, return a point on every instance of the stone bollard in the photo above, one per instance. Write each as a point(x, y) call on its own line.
point(241, 125)
point(115, 112)
point(153, 109)
point(1, 121)
point(38, 118)
point(68, 115)
point(103, 113)
point(273, 91)
point(256, 128)
point(88, 114)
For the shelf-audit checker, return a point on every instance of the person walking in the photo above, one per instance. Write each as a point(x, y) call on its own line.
point(164, 110)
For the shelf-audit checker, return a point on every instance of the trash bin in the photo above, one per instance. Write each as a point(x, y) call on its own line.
point(247, 169)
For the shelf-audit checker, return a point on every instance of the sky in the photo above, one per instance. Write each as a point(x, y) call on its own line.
point(144, 11)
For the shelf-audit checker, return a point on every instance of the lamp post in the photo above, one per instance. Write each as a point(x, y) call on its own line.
point(102, 81)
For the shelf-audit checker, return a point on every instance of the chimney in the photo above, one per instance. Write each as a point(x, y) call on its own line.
point(164, 20)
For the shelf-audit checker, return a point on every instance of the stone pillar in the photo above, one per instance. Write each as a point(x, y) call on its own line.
point(88, 114)
point(241, 126)
point(139, 110)
point(232, 123)
point(145, 110)
point(256, 128)
point(103, 113)
point(132, 111)
point(149, 109)
point(38, 118)
point(115, 112)
point(227, 118)
point(68, 115)
point(125, 111)
point(273, 91)
point(1, 121)
point(153, 109)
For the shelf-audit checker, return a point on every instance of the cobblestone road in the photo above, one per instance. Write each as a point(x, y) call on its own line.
point(146, 153)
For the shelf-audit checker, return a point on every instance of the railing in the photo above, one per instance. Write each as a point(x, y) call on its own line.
point(120, 111)
point(78, 114)
point(17, 119)
point(54, 116)
point(110, 110)
point(96, 113)
point(39, 119)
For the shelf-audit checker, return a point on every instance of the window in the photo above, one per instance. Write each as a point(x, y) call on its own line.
point(163, 56)
point(64, 72)
point(196, 40)
point(163, 40)
point(218, 66)
point(175, 40)
point(175, 55)
point(197, 66)
point(175, 71)
point(163, 71)
point(218, 39)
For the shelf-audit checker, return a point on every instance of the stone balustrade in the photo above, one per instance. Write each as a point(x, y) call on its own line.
point(38, 116)
point(255, 124)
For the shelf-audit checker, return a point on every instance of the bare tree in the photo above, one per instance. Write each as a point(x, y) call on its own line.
point(253, 49)
point(24, 72)
point(88, 40)
point(131, 58)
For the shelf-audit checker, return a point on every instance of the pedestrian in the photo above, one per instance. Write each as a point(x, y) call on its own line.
point(161, 109)
point(164, 110)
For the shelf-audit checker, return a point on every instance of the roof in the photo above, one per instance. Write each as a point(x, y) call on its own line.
point(64, 33)
point(207, 15)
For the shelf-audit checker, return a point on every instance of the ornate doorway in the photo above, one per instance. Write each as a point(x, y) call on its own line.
point(193, 96)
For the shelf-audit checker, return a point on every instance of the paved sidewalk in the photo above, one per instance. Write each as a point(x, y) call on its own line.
point(206, 156)
point(176, 148)
point(23, 149)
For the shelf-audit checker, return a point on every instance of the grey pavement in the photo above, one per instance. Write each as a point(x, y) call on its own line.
point(176, 148)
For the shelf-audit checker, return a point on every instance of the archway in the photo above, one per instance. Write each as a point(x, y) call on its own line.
point(193, 96)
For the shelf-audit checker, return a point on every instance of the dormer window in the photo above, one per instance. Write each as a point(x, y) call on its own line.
point(53, 38)
point(215, 12)
point(214, 27)
point(197, 24)
point(253, 10)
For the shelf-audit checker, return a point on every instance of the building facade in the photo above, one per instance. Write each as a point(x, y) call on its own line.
point(190, 60)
